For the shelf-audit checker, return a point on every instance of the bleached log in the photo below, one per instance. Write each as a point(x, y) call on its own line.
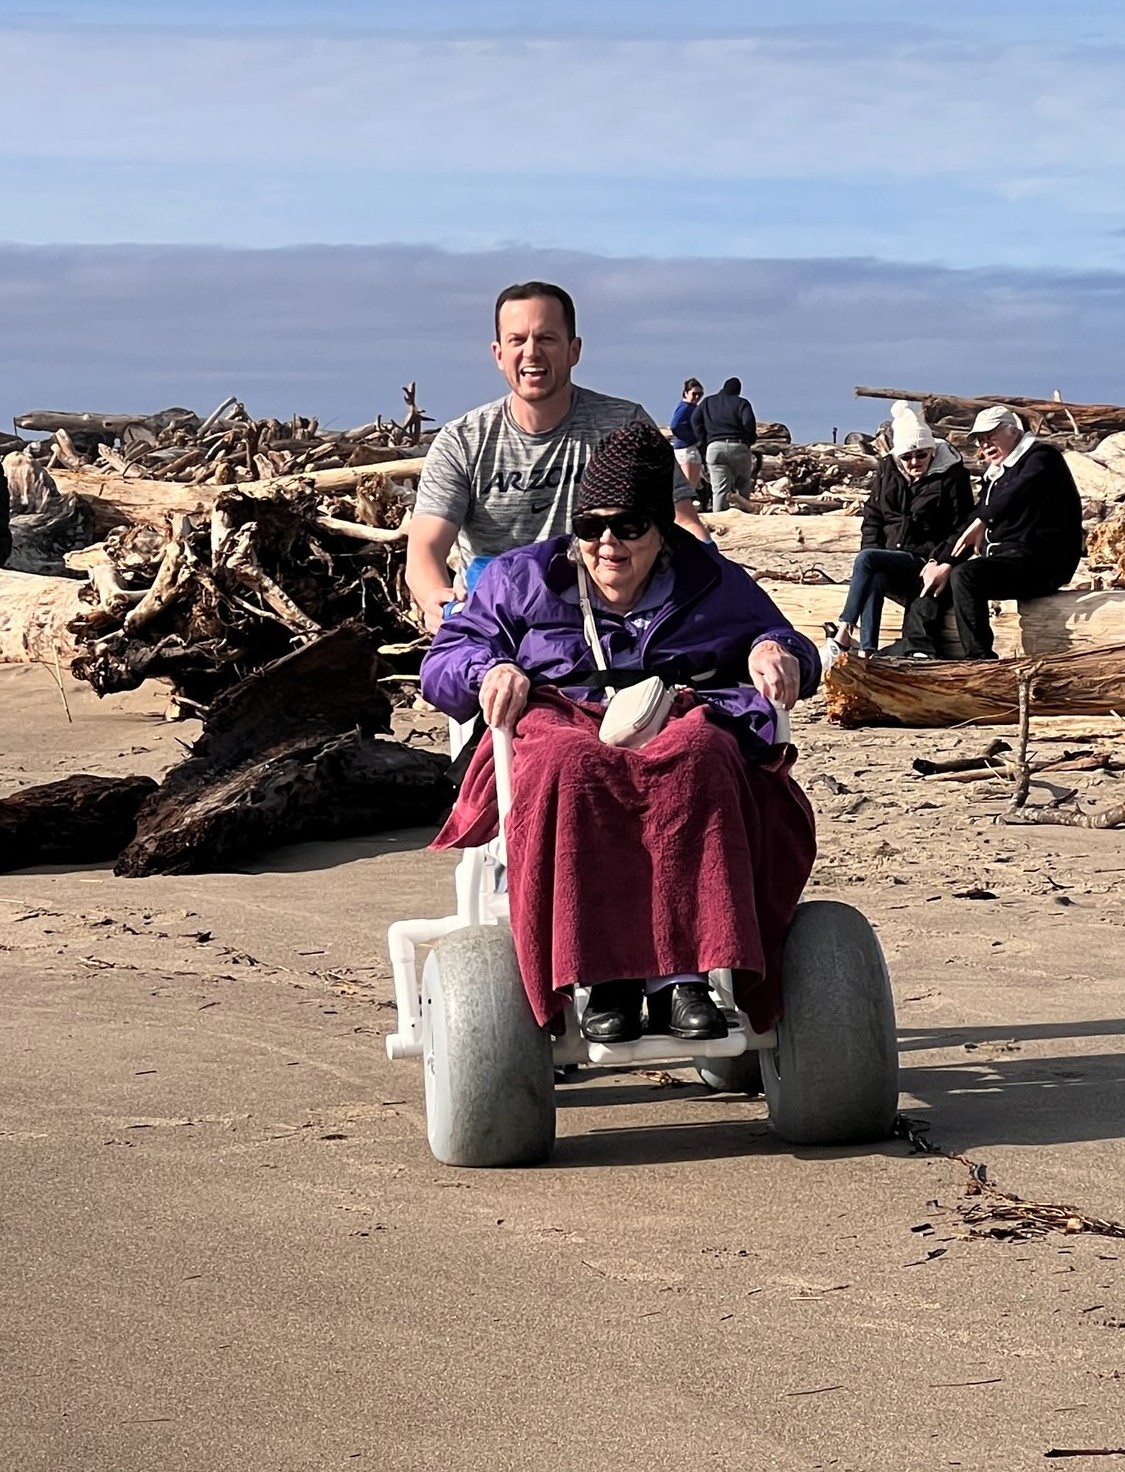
point(172, 579)
point(906, 692)
point(1065, 620)
point(745, 538)
point(34, 614)
point(117, 498)
point(360, 533)
point(1094, 480)
point(114, 598)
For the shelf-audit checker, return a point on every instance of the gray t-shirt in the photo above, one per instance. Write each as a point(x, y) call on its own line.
point(504, 487)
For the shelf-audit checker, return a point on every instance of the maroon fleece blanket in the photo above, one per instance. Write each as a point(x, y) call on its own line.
point(678, 857)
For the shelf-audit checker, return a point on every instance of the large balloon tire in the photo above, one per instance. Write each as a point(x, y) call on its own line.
point(833, 1077)
point(487, 1064)
point(739, 1075)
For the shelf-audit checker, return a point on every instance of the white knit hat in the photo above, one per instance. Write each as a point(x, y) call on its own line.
point(909, 431)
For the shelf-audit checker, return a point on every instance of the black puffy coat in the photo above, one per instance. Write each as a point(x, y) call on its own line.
point(1033, 510)
point(917, 516)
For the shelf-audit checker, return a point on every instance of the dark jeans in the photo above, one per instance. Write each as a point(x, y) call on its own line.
point(971, 586)
point(876, 575)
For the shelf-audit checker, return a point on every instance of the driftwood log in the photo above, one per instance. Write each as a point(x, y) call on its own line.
point(35, 617)
point(290, 753)
point(80, 820)
point(1065, 620)
point(1040, 415)
point(104, 426)
point(907, 692)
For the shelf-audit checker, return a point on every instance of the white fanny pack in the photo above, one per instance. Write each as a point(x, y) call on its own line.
point(636, 714)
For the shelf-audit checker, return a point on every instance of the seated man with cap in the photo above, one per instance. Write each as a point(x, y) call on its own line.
point(1024, 540)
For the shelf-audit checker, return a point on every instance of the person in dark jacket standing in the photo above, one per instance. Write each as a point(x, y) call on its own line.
point(725, 428)
point(5, 519)
point(921, 495)
point(1024, 541)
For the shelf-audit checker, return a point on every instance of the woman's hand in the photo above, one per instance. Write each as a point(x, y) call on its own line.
point(503, 695)
point(775, 673)
point(935, 575)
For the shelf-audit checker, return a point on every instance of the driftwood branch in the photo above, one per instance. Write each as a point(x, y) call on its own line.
point(1105, 818)
point(929, 768)
point(1023, 771)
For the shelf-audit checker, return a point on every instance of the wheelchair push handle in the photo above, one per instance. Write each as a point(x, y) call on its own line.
point(502, 760)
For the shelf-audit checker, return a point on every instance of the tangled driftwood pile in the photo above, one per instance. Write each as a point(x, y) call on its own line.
point(209, 597)
point(225, 448)
point(263, 579)
point(297, 750)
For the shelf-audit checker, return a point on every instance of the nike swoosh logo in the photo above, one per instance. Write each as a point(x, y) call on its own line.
point(538, 507)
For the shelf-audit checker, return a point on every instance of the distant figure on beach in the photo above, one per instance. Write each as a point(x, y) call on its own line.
point(1024, 540)
point(726, 429)
point(507, 474)
point(5, 519)
point(921, 495)
point(685, 441)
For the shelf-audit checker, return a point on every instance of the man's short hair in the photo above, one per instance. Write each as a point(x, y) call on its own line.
point(524, 291)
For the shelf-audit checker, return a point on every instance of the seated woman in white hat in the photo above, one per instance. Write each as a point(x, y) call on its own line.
point(921, 495)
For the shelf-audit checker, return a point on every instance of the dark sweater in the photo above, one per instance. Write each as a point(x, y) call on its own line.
point(5, 520)
point(724, 417)
point(916, 516)
point(1032, 509)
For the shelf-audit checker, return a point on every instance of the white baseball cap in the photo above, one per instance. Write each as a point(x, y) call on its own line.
point(994, 417)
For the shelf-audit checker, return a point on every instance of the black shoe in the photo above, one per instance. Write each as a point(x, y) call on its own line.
point(613, 1013)
point(686, 1010)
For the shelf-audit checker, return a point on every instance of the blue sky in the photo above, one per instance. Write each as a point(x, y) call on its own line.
point(661, 147)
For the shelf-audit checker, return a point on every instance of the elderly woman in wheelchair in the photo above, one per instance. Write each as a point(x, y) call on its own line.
point(655, 839)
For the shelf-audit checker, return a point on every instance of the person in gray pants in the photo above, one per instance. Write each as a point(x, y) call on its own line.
point(725, 427)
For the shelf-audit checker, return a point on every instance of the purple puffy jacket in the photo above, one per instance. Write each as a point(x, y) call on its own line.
point(701, 636)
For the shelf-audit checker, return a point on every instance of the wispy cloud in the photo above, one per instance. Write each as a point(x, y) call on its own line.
point(914, 146)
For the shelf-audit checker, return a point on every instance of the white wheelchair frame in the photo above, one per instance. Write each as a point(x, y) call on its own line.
point(481, 901)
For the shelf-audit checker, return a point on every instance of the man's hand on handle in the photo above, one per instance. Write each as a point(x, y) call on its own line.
point(433, 606)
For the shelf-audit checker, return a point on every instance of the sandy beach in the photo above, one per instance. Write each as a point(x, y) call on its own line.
point(226, 1244)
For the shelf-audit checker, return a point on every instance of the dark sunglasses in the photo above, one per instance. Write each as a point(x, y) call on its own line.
point(626, 526)
point(914, 455)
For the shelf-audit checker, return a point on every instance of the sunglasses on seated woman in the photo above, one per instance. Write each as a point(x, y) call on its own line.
point(626, 526)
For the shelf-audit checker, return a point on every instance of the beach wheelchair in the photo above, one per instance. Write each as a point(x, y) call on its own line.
point(828, 1070)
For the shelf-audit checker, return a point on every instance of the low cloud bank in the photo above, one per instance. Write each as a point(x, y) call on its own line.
point(336, 331)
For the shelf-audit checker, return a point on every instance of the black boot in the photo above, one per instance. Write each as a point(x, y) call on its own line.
point(613, 1013)
point(686, 1010)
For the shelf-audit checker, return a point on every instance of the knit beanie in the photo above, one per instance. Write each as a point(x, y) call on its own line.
point(909, 431)
point(633, 468)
